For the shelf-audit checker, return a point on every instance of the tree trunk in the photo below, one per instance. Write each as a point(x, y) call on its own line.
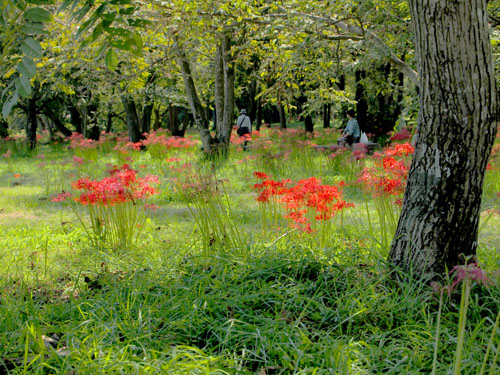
point(156, 122)
point(56, 120)
point(194, 102)
point(258, 116)
point(219, 88)
point(147, 114)
point(457, 125)
point(4, 128)
point(109, 118)
point(361, 103)
point(281, 110)
point(134, 132)
point(253, 102)
point(225, 132)
point(76, 119)
point(32, 122)
point(326, 115)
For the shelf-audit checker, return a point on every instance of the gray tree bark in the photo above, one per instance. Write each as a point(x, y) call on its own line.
point(456, 130)
point(219, 88)
point(199, 114)
point(225, 132)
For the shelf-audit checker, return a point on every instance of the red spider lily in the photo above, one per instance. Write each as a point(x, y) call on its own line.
point(122, 186)
point(172, 160)
point(261, 175)
point(78, 161)
point(400, 150)
point(78, 141)
point(61, 197)
point(17, 175)
point(359, 151)
point(401, 135)
point(306, 196)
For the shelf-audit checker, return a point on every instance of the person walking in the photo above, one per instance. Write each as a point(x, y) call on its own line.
point(244, 124)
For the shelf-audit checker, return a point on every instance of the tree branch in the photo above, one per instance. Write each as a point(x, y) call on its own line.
point(365, 33)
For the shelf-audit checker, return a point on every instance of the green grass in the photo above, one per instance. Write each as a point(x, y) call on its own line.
point(278, 304)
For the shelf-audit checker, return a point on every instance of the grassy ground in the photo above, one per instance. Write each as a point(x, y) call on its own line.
point(280, 301)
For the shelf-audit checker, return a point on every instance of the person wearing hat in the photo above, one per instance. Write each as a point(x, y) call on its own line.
point(244, 124)
point(351, 133)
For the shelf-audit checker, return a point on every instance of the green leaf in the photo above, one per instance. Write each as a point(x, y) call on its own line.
point(138, 22)
point(119, 31)
point(30, 28)
point(23, 86)
point(31, 47)
point(27, 67)
point(127, 11)
point(38, 15)
point(11, 102)
point(111, 59)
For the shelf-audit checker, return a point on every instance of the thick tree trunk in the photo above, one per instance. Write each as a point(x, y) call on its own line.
point(456, 129)
point(194, 102)
point(134, 131)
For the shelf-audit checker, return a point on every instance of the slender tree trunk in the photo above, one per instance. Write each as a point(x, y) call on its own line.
point(281, 110)
point(109, 118)
point(219, 88)
point(253, 102)
point(147, 114)
point(456, 130)
point(4, 128)
point(156, 122)
point(32, 122)
point(258, 116)
point(326, 115)
point(362, 105)
point(194, 102)
point(134, 132)
point(225, 132)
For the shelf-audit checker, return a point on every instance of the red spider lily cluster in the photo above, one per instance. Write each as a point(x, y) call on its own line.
point(155, 138)
point(401, 135)
point(78, 141)
point(400, 149)
point(121, 186)
point(389, 175)
point(306, 200)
